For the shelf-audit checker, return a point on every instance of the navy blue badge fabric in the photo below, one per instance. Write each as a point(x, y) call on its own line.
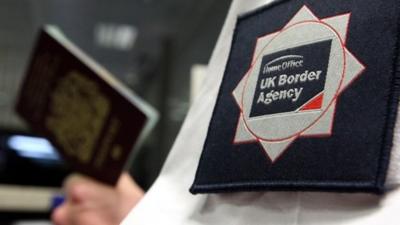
point(308, 100)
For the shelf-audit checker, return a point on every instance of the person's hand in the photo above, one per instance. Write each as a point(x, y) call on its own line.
point(91, 203)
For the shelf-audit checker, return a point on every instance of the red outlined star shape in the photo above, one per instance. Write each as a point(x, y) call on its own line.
point(260, 130)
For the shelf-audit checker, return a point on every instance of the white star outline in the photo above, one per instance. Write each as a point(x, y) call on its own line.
point(323, 125)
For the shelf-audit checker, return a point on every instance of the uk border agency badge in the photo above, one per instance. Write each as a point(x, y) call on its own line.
point(294, 81)
point(308, 100)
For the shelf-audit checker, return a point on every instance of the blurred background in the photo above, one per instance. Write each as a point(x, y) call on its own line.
point(156, 47)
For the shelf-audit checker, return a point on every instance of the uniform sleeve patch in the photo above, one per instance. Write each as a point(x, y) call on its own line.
point(308, 100)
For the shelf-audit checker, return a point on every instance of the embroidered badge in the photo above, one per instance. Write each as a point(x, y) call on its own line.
point(308, 100)
point(294, 81)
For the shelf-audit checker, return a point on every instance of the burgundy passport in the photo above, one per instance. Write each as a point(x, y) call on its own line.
point(89, 116)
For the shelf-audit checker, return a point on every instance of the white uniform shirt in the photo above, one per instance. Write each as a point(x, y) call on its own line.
point(169, 200)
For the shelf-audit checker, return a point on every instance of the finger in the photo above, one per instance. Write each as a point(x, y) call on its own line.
point(59, 215)
point(79, 188)
point(127, 185)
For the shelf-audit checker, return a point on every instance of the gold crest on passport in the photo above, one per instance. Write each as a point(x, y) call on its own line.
point(92, 119)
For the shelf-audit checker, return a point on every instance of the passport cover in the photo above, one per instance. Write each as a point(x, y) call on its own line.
point(91, 118)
